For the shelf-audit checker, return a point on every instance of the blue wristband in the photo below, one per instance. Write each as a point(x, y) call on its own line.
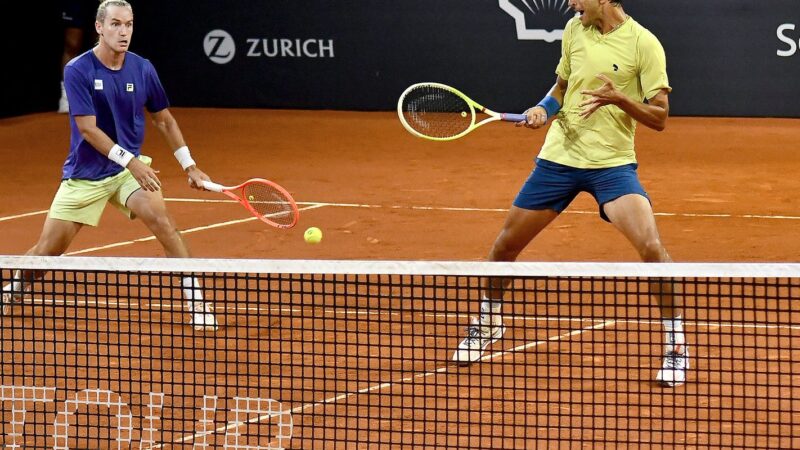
point(550, 104)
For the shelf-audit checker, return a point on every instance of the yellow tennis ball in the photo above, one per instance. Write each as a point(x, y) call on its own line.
point(313, 235)
point(251, 198)
point(463, 114)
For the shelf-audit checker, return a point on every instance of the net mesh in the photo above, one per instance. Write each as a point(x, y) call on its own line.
point(436, 112)
point(103, 352)
point(269, 202)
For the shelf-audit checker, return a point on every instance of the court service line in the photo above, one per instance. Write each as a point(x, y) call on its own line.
point(186, 231)
point(313, 205)
point(388, 384)
point(451, 208)
point(20, 216)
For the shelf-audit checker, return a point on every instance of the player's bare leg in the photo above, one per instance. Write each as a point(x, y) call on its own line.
point(521, 226)
point(54, 240)
point(150, 207)
point(633, 216)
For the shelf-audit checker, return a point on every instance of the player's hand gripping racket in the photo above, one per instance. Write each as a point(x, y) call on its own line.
point(264, 199)
point(441, 113)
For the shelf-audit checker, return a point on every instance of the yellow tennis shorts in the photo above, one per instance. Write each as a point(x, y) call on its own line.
point(83, 201)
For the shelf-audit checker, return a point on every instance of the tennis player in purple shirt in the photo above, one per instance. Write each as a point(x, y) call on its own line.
point(108, 89)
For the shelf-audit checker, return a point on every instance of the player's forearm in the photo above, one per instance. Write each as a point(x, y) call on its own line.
point(558, 90)
point(98, 139)
point(168, 127)
point(557, 94)
point(171, 133)
point(650, 115)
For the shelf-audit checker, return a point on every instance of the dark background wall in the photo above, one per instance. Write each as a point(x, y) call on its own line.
point(360, 54)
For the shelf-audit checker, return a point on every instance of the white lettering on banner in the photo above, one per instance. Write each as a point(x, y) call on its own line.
point(265, 409)
point(20, 395)
point(100, 397)
point(793, 46)
point(290, 48)
point(149, 428)
point(219, 46)
point(530, 17)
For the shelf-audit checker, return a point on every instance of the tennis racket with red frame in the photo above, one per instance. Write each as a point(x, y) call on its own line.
point(266, 200)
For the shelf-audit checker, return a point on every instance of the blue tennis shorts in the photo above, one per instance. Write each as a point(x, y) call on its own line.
point(554, 186)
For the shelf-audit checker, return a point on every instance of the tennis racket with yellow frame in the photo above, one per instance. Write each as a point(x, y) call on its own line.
point(439, 112)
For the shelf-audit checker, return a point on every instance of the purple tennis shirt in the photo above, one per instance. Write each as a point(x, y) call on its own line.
point(117, 99)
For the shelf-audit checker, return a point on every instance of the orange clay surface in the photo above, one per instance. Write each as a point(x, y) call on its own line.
point(723, 189)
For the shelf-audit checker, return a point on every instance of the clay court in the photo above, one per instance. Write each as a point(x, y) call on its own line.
point(723, 191)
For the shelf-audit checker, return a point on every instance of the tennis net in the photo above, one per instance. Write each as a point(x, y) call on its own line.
point(120, 353)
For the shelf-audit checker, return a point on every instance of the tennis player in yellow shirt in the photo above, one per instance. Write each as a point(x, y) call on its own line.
point(611, 75)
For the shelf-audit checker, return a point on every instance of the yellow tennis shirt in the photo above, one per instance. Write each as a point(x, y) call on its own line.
point(633, 58)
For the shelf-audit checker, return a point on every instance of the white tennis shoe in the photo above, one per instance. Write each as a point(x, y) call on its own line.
point(9, 299)
point(479, 336)
point(203, 318)
point(674, 367)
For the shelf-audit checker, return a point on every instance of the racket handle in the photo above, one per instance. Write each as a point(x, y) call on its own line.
point(211, 186)
point(514, 117)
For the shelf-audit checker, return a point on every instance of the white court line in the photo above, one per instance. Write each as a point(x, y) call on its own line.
point(186, 231)
point(154, 307)
point(389, 384)
point(19, 216)
point(449, 208)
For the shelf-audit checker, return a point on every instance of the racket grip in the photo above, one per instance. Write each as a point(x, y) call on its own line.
point(211, 186)
point(514, 117)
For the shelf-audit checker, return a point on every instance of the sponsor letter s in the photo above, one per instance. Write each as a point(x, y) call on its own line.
point(786, 39)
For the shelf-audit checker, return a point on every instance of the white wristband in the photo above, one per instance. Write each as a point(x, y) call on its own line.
point(119, 155)
point(184, 157)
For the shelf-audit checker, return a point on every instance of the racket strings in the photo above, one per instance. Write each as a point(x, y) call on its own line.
point(436, 112)
point(269, 202)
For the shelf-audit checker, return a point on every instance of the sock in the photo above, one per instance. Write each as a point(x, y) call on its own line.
point(675, 339)
point(192, 292)
point(490, 312)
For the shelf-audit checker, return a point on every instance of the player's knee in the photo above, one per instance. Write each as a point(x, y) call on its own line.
point(45, 249)
point(502, 250)
point(161, 225)
point(653, 251)
point(49, 246)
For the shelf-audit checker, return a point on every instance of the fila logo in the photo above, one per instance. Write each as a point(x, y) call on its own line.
point(129, 87)
point(98, 85)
